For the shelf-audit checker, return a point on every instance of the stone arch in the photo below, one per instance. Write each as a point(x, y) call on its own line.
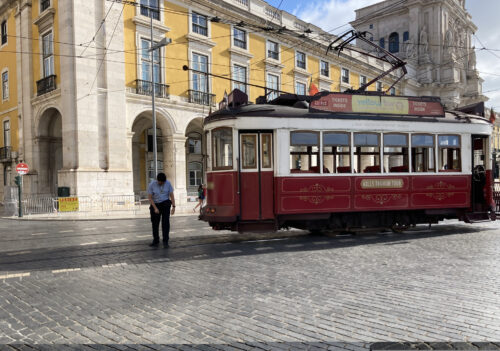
point(164, 120)
point(142, 151)
point(49, 150)
point(195, 155)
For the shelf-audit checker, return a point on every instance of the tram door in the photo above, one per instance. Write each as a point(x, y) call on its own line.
point(479, 166)
point(256, 175)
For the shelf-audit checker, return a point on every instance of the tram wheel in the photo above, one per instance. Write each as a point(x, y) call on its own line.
point(399, 227)
point(315, 231)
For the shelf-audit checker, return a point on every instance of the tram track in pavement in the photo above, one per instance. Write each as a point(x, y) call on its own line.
point(118, 254)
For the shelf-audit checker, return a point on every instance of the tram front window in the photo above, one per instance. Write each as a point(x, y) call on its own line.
point(449, 153)
point(304, 152)
point(222, 148)
point(396, 153)
point(422, 153)
point(366, 153)
point(336, 153)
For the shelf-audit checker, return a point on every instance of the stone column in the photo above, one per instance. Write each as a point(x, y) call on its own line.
point(174, 165)
point(113, 80)
point(25, 89)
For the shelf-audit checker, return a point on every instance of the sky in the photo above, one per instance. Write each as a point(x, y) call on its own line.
point(331, 14)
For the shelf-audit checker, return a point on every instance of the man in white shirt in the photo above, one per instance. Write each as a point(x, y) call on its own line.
point(161, 198)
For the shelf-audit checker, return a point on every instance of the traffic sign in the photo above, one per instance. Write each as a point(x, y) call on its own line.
point(22, 168)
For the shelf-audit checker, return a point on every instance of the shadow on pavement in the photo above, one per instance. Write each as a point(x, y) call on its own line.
point(203, 248)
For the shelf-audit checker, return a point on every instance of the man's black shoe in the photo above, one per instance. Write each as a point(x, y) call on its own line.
point(166, 245)
point(154, 244)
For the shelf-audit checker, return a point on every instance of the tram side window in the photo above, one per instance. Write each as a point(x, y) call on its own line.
point(366, 153)
point(422, 153)
point(304, 152)
point(336, 153)
point(449, 153)
point(396, 153)
point(222, 148)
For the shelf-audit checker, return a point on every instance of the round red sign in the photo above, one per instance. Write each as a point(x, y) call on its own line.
point(22, 168)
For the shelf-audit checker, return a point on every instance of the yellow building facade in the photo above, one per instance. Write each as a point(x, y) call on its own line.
point(78, 107)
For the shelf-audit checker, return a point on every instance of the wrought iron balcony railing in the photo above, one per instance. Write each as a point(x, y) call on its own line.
point(5, 153)
point(145, 87)
point(201, 98)
point(46, 84)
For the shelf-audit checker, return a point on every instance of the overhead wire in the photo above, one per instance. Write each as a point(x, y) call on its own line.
point(104, 54)
point(124, 2)
point(98, 29)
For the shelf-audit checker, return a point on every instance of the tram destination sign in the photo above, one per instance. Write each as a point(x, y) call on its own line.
point(387, 105)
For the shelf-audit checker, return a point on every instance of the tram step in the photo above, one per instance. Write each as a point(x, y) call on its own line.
point(477, 217)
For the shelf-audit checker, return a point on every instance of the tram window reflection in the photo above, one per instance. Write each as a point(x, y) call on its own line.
point(222, 148)
point(449, 153)
point(366, 153)
point(336, 153)
point(396, 153)
point(422, 153)
point(266, 150)
point(304, 152)
point(248, 151)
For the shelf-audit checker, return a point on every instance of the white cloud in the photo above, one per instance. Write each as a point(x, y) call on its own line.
point(330, 14)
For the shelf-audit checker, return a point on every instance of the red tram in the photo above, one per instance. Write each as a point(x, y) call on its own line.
point(342, 161)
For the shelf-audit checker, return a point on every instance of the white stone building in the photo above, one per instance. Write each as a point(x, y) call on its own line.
point(434, 37)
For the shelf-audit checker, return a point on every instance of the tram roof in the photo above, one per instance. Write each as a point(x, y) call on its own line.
point(294, 106)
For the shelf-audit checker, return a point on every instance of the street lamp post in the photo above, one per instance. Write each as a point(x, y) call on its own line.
point(163, 42)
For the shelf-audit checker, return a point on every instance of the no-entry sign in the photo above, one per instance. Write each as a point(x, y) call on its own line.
point(22, 168)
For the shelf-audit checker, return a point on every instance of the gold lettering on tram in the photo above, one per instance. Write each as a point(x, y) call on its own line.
point(316, 189)
point(439, 196)
point(382, 183)
point(381, 198)
point(441, 185)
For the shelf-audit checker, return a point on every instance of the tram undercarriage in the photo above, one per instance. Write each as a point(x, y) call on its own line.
point(396, 221)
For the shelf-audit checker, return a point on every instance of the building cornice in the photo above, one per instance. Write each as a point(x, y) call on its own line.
point(241, 52)
point(200, 40)
point(9, 4)
point(145, 22)
point(45, 19)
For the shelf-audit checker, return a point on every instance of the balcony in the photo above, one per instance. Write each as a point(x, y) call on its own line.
point(201, 98)
point(5, 154)
point(145, 87)
point(44, 5)
point(46, 84)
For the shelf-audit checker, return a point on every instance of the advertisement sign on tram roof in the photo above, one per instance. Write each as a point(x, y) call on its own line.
point(391, 105)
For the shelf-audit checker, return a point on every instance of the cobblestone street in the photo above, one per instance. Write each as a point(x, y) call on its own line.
point(97, 285)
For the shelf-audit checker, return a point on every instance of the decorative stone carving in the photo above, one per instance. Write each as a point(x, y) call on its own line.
point(424, 46)
point(448, 42)
point(472, 59)
point(411, 50)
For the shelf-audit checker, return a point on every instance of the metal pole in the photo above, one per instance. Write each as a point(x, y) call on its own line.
point(155, 149)
point(20, 194)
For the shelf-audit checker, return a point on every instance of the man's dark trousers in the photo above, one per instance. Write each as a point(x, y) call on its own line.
point(164, 215)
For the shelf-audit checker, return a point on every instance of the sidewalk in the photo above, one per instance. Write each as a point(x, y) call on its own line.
point(88, 216)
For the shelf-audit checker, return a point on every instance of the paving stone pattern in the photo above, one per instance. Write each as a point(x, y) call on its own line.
point(427, 289)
